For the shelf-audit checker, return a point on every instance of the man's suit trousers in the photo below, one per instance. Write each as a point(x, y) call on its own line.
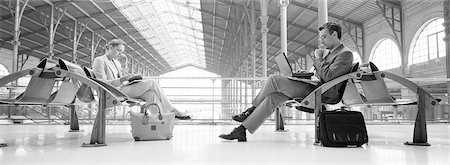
point(276, 90)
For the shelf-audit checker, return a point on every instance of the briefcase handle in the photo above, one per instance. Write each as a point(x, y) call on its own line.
point(343, 108)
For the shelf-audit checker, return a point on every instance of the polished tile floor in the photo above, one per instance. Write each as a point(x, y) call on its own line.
point(199, 144)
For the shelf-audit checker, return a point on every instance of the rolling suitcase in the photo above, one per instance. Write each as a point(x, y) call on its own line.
point(342, 128)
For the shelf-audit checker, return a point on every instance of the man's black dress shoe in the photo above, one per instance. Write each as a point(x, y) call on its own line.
point(237, 133)
point(241, 117)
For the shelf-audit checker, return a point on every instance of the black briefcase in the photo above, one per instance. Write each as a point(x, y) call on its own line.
point(342, 128)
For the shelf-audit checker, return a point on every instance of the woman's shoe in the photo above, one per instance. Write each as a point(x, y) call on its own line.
point(181, 116)
point(237, 133)
point(242, 116)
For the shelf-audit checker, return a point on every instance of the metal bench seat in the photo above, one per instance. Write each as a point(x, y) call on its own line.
point(374, 93)
point(40, 91)
point(113, 97)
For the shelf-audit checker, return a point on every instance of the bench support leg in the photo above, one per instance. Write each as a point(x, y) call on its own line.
point(98, 130)
point(74, 127)
point(279, 122)
point(10, 111)
point(420, 126)
point(317, 111)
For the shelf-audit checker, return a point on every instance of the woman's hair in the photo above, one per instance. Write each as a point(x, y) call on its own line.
point(114, 42)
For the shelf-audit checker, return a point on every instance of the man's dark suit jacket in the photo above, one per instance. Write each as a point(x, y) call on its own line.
point(335, 64)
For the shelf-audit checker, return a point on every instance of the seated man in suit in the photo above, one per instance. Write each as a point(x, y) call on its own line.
point(107, 68)
point(277, 89)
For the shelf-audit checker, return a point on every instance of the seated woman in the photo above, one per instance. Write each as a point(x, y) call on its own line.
point(107, 68)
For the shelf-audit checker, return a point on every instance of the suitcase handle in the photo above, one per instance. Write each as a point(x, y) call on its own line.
point(144, 109)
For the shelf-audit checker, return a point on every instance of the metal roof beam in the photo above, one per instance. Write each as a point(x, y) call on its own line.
point(112, 20)
point(335, 16)
point(113, 34)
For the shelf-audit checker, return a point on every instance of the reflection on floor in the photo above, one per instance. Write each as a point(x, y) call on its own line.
point(199, 144)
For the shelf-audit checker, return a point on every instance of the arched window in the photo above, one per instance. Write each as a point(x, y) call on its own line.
point(356, 57)
point(386, 55)
point(429, 43)
point(3, 70)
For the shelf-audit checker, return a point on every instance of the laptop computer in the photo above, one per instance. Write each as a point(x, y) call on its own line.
point(286, 69)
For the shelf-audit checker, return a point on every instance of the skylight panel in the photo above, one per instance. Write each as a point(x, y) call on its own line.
point(172, 28)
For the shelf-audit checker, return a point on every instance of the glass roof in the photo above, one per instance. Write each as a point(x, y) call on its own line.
point(172, 27)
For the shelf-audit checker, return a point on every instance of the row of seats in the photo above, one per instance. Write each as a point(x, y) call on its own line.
point(77, 86)
point(373, 92)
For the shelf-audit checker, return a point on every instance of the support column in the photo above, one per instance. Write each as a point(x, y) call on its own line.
point(15, 44)
point(253, 28)
point(98, 130)
point(283, 22)
point(239, 90)
point(95, 41)
point(447, 43)
point(16, 41)
point(75, 44)
point(264, 18)
point(230, 99)
point(213, 85)
point(137, 68)
point(322, 19)
point(231, 95)
point(51, 36)
point(246, 84)
point(61, 11)
point(223, 98)
point(133, 63)
point(279, 123)
point(323, 12)
point(74, 126)
point(91, 59)
point(236, 94)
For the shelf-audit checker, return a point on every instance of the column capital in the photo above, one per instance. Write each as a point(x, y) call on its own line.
point(283, 3)
point(14, 42)
point(264, 30)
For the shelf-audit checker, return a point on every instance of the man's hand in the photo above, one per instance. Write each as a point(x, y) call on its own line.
point(318, 53)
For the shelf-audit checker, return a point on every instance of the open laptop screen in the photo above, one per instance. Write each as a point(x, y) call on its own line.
point(283, 64)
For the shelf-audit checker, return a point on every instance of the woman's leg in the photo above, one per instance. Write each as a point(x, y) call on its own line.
point(152, 97)
point(150, 91)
